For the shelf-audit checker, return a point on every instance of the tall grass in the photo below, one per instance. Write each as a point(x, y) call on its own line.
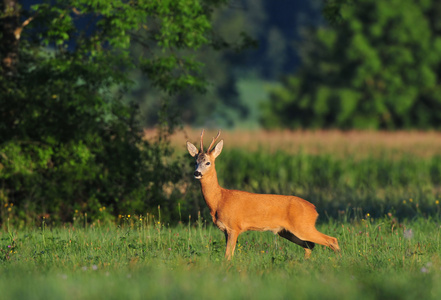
point(140, 260)
point(375, 172)
point(407, 186)
point(333, 142)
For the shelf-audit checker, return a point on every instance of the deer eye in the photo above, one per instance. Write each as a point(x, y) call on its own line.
point(208, 163)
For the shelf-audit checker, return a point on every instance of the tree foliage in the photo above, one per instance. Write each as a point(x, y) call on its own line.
point(219, 105)
point(378, 66)
point(68, 140)
point(231, 72)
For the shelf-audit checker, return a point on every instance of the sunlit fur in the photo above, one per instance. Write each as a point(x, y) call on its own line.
point(234, 211)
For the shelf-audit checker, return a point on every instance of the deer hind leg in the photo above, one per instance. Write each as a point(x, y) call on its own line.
point(308, 246)
point(304, 229)
point(313, 235)
point(231, 238)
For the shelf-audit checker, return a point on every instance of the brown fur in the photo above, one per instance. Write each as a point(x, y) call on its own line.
point(235, 212)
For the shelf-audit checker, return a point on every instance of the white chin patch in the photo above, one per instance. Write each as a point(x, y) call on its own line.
point(198, 177)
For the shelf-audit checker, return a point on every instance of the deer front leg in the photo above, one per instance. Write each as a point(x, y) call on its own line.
point(231, 239)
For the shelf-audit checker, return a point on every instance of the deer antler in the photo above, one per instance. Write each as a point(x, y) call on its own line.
point(213, 141)
point(202, 138)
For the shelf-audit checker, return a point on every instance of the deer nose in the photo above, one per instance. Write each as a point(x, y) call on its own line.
point(197, 174)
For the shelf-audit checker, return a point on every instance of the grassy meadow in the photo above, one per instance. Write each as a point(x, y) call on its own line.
point(377, 193)
point(150, 260)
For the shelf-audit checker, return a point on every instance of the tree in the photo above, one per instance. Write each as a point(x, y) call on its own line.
point(219, 105)
point(378, 66)
point(68, 139)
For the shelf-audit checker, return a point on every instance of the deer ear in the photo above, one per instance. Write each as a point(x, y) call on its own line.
point(218, 149)
point(192, 149)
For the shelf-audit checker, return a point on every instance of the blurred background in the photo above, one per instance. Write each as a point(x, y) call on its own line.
point(372, 65)
point(240, 82)
point(335, 101)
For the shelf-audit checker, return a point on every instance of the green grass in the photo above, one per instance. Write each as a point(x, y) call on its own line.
point(146, 260)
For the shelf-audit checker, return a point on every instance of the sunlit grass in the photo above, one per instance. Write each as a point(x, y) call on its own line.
point(140, 259)
point(337, 143)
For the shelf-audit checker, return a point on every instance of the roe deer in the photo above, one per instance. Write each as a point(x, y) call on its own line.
point(235, 211)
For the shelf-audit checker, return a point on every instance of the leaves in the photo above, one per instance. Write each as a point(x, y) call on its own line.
point(68, 140)
point(383, 54)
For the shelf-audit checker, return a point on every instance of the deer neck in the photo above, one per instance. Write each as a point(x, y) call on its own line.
point(211, 190)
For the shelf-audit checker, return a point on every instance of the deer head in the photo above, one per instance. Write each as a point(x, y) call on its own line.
point(205, 160)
